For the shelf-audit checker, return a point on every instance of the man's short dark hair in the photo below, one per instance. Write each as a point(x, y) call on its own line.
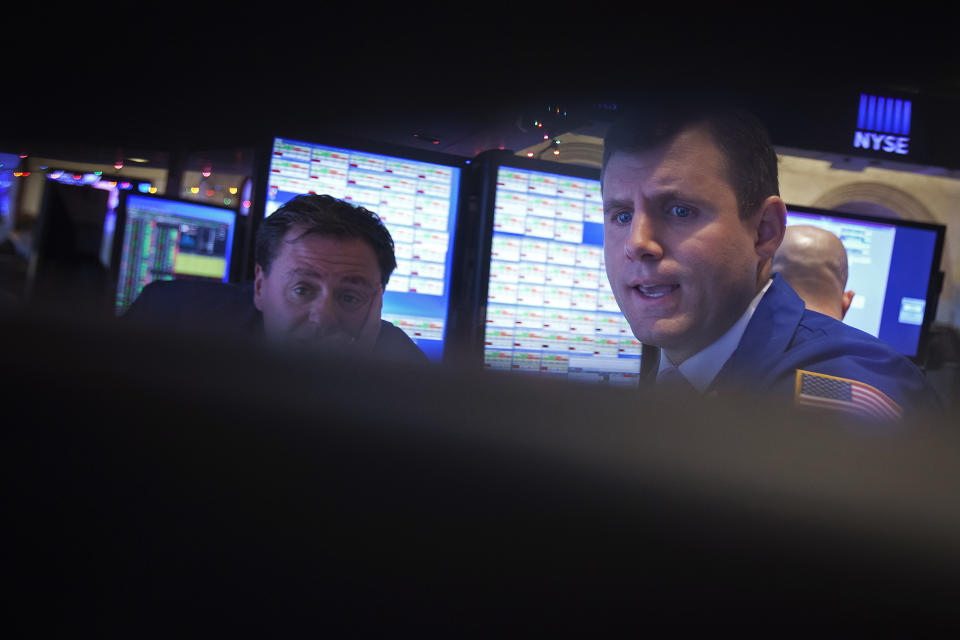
point(743, 140)
point(327, 216)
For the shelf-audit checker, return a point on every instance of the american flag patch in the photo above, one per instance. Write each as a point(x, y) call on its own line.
point(831, 392)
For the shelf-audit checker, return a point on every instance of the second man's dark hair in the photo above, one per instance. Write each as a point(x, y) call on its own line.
point(325, 215)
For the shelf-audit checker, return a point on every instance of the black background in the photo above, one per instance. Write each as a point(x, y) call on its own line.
point(207, 78)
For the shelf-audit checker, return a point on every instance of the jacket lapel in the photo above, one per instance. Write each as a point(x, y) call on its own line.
point(767, 336)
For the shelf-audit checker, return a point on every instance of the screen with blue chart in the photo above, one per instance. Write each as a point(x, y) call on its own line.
point(8, 191)
point(549, 307)
point(418, 202)
point(164, 239)
point(891, 265)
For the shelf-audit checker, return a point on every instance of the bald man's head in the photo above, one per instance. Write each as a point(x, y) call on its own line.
point(814, 262)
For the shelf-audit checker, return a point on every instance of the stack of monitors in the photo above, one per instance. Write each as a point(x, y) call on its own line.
point(549, 306)
point(166, 239)
point(893, 267)
point(417, 195)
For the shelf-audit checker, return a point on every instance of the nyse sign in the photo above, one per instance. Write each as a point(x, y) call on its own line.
point(883, 124)
point(881, 142)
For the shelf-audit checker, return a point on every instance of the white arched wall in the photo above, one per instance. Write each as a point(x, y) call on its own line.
point(885, 192)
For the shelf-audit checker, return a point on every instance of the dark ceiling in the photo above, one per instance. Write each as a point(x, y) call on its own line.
point(151, 85)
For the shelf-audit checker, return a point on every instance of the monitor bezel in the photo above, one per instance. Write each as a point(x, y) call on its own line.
point(935, 278)
point(40, 248)
point(471, 317)
point(119, 232)
point(263, 152)
point(260, 180)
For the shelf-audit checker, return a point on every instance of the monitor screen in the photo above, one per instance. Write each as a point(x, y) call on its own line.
point(164, 239)
point(9, 162)
point(549, 306)
point(416, 195)
point(892, 268)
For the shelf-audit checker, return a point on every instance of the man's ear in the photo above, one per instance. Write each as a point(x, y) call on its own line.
point(846, 299)
point(771, 223)
point(258, 278)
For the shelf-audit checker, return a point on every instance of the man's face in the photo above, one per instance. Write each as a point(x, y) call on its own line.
point(321, 291)
point(682, 264)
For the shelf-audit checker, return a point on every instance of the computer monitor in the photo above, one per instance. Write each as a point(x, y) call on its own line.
point(169, 239)
point(416, 194)
point(545, 306)
point(115, 186)
point(9, 163)
point(65, 269)
point(894, 270)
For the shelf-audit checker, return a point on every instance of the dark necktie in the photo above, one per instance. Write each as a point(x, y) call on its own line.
point(672, 380)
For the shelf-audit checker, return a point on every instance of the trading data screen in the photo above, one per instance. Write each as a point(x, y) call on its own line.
point(889, 271)
point(550, 309)
point(417, 202)
point(168, 240)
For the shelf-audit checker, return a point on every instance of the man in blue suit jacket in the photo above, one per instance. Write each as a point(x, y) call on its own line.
point(322, 266)
point(792, 351)
point(692, 220)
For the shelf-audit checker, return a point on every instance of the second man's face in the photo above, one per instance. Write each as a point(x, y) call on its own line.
point(681, 262)
point(321, 291)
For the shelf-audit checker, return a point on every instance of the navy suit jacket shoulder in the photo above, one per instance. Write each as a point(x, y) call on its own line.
point(783, 336)
point(196, 305)
point(227, 310)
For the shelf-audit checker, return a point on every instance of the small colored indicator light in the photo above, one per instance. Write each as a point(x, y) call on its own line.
point(233, 190)
point(246, 204)
point(227, 201)
point(143, 187)
point(206, 173)
point(118, 165)
point(98, 173)
point(153, 190)
point(209, 193)
point(529, 154)
point(194, 189)
point(125, 185)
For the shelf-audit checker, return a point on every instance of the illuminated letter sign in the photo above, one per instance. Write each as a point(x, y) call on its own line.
point(883, 124)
